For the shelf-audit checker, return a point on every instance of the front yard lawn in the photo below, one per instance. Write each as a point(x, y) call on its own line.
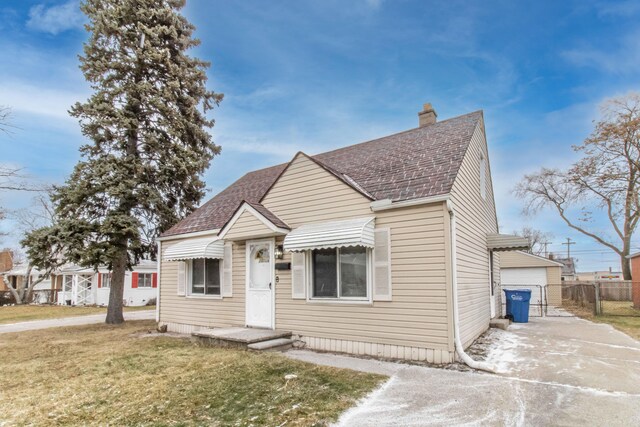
point(24, 313)
point(120, 375)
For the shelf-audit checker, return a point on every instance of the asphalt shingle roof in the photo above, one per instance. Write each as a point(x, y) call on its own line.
point(417, 163)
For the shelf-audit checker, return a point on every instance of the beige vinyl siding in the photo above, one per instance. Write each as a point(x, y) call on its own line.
point(416, 316)
point(247, 227)
point(475, 217)
point(519, 259)
point(418, 312)
point(554, 286)
point(307, 193)
point(202, 311)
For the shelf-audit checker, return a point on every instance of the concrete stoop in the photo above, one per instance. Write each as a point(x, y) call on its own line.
point(500, 323)
point(245, 338)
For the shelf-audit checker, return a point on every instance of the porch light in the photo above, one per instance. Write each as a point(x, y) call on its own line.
point(279, 252)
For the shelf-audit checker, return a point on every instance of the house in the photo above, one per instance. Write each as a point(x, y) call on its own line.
point(568, 268)
point(542, 275)
point(601, 276)
point(387, 247)
point(85, 286)
point(635, 279)
point(44, 290)
point(6, 264)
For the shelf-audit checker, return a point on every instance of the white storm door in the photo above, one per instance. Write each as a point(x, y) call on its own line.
point(260, 284)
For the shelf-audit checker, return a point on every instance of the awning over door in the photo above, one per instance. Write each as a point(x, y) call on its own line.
point(506, 242)
point(334, 234)
point(210, 247)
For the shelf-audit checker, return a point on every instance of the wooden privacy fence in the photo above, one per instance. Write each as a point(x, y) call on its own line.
point(613, 298)
point(583, 293)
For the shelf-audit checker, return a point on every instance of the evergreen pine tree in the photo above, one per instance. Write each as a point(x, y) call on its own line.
point(148, 130)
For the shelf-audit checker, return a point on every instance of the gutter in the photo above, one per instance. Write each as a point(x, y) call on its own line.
point(466, 359)
point(386, 204)
point(185, 235)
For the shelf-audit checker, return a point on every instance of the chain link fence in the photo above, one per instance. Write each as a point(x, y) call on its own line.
point(610, 298)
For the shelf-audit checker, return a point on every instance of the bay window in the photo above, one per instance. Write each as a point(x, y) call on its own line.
point(340, 273)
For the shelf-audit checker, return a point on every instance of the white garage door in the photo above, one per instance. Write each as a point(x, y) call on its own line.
point(526, 276)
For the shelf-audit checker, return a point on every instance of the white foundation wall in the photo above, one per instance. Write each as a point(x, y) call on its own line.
point(386, 351)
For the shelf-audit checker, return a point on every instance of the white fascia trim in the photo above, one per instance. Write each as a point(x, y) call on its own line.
point(386, 204)
point(185, 235)
point(247, 207)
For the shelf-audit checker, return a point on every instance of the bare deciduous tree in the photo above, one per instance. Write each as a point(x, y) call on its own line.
point(5, 115)
point(537, 239)
point(604, 181)
point(39, 215)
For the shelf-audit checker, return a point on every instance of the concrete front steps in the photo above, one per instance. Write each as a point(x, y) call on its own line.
point(246, 338)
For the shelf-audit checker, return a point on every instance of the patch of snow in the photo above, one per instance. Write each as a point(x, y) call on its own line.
point(503, 352)
point(366, 404)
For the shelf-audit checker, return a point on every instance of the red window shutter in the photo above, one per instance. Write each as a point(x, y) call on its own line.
point(154, 280)
point(134, 280)
point(99, 280)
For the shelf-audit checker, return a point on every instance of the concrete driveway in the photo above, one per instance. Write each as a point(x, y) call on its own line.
point(554, 371)
point(72, 321)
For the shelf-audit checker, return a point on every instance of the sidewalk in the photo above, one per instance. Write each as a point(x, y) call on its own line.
point(72, 321)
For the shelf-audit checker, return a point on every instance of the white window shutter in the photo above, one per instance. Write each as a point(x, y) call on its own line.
point(182, 278)
point(298, 276)
point(382, 265)
point(227, 270)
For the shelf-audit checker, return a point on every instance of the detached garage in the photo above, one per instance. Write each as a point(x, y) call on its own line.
point(543, 276)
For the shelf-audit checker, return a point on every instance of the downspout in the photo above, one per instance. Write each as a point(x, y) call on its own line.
point(466, 359)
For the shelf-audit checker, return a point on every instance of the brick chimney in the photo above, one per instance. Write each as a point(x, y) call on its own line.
point(427, 116)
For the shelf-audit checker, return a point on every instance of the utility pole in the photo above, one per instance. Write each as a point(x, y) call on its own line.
point(569, 243)
point(546, 243)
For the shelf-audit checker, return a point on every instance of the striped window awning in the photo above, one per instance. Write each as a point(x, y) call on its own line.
point(211, 247)
point(334, 234)
point(506, 242)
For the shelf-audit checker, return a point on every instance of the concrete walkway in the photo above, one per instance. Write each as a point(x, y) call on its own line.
point(554, 371)
point(72, 321)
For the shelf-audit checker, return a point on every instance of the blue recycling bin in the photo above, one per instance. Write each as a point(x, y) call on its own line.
point(518, 304)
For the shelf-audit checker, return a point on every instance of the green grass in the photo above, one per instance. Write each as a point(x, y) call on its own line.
point(115, 375)
point(619, 314)
point(24, 313)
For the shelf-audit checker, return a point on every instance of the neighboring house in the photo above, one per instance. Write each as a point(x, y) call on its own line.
point(543, 276)
point(17, 275)
point(6, 264)
point(635, 279)
point(357, 250)
point(568, 268)
point(601, 276)
point(85, 286)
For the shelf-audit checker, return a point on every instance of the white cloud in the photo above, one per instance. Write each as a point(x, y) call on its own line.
point(41, 101)
point(374, 4)
point(623, 58)
point(56, 19)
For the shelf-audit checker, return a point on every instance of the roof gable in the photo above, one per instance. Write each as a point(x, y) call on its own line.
point(252, 220)
point(417, 163)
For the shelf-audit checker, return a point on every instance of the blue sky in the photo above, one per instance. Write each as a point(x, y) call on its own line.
point(313, 76)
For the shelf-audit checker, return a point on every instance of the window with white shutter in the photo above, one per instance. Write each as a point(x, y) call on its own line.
point(382, 265)
point(298, 276)
point(227, 270)
point(182, 278)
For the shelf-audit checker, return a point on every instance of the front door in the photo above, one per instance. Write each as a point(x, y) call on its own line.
point(260, 285)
